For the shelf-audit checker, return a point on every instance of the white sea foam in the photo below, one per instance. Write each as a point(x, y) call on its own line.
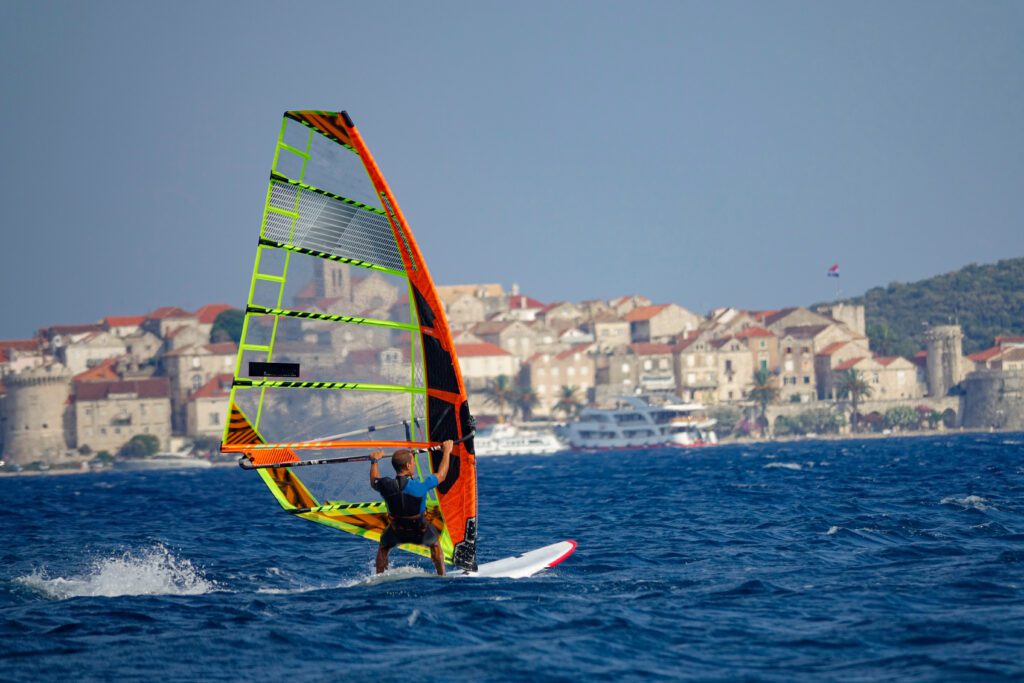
point(784, 465)
point(413, 617)
point(153, 571)
point(976, 502)
point(833, 530)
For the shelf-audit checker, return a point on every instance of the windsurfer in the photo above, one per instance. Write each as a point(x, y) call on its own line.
point(406, 498)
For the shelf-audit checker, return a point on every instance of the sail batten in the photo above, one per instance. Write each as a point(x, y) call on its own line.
point(343, 329)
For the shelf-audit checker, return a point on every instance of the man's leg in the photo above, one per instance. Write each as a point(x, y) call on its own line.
point(437, 556)
point(382, 559)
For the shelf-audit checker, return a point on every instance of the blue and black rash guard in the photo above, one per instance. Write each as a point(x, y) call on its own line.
point(405, 497)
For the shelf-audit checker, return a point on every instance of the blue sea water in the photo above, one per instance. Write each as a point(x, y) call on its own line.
point(843, 560)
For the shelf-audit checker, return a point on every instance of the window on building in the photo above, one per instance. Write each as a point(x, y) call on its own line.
point(647, 364)
point(807, 379)
point(789, 349)
point(728, 366)
point(197, 381)
point(215, 418)
point(195, 362)
point(805, 349)
point(764, 365)
point(762, 344)
point(625, 367)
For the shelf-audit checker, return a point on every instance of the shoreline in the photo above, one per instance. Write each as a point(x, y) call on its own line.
point(741, 441)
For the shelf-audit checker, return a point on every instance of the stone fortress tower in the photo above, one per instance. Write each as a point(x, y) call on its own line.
point(34, 415)
point(945, 366)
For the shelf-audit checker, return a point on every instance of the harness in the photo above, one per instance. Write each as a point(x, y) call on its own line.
point(403, 508)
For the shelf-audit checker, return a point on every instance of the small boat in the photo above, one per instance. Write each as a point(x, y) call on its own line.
point(162, 461)
point(636, 423)
point(507, 439)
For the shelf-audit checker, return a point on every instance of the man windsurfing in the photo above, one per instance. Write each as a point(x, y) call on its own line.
point(406, 498)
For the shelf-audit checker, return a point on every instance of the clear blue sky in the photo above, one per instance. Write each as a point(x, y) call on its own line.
point(710, 154)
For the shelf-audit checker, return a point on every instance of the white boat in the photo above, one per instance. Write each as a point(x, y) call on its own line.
point(162, 461)
point(507, 439)
point(636, 423)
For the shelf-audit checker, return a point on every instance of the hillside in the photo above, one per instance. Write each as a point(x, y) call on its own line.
point(986, 300)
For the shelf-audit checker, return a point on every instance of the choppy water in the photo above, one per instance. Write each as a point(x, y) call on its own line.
point(858, 560)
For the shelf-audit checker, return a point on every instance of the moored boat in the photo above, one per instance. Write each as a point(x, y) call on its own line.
point(636, 423)
point(508, 439)
point(162, 461)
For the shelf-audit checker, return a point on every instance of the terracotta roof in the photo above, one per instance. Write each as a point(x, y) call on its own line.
point(124, 320)
point(218, 387)
point(70, 329)
point(307, 292)
point(683, 344)
point(208, 313)
point(754, 331)
point(578, 348)
point(522, 301)
point(645, 312)
point(847, 364)
point(1009, 339)
point(364, 357)
point(771, 317)
point(3, 356)
point(481, 349)
point(886, 360)
point(155, 387)
point(104, 372)
point(831, 348)
point(490, 327)
point(169, 312)
point(20, 344)
point(650, 349)
point(982, 356)
point(227, 348)
point(761, 315)
point(607, 317)
point(804, 331)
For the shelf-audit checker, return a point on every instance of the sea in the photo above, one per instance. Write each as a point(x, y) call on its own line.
point(861, 560)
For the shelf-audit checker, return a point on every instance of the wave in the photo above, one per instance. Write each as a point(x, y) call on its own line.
point(795, 466)
point(974, 502)
point(153, 571)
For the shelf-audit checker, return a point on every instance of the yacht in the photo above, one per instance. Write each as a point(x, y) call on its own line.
point(162, 461)
point(507, 439)
point(636, 423)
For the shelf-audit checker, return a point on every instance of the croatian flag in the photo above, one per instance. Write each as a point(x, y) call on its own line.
point(834, 270)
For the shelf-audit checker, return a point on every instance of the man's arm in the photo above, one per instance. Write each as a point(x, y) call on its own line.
point(375, 457)
point(446, 451)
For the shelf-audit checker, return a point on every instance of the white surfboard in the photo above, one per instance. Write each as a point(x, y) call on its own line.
point(521, 566)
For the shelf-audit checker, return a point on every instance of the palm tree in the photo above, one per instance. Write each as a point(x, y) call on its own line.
point(500, 392)
point(765, 391)
point(853, 385)
point(524, 400)
point(568, 402)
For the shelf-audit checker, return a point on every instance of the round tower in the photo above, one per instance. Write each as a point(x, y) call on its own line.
point(945, 366)
point(34, 411)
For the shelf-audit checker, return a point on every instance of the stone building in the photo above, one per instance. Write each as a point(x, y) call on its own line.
point(655, 367)
point(609, 331)
point(515, 336)
point(616, 373)
point(661, 323)
point(189, 368)
point(993, 399)
point(108, 414)
point(123, 325)
point(946, 364)
point(696, 370)
point(549, 372)
point(735, 369)
point(829, 358)
point(624, 304)
point(36, 419)
point(166, 318)
point(208, 407)
point(88, 350)
point(484, 362)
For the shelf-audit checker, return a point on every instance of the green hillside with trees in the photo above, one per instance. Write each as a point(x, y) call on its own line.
point(986, 300)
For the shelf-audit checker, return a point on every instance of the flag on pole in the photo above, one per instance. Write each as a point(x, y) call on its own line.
point(834, 270)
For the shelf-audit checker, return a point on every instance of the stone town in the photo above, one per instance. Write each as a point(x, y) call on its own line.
point(72, 391)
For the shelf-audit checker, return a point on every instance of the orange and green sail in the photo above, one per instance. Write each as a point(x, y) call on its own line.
point(345, 345)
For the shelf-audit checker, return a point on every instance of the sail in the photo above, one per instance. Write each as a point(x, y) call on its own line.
point(345, 345)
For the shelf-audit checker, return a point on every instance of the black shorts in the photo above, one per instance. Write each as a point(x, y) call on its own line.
point(390, 538)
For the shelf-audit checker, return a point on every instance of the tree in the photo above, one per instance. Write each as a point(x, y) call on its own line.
point(523, 400)
point(765, 391)
point(820, 421)
point(852, 385)
point(901, 417)
point(227, 326)
point(727, 419)
point(500, 392)
point(568, 401)
point(140, 446)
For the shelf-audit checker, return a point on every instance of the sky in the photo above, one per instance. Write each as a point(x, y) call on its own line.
point(708, 154)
